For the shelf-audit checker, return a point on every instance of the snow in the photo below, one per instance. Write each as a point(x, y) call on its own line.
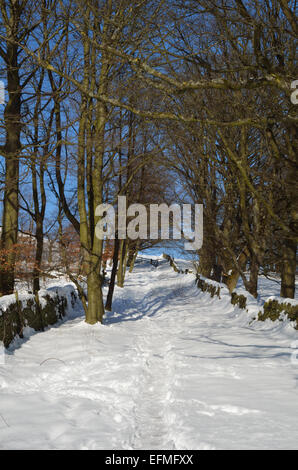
point(269, 288)
point(171, 368)
point(6, 302)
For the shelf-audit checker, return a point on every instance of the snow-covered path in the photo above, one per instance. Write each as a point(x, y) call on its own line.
point(170, 369)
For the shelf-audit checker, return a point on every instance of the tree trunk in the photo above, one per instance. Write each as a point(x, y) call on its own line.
point(289, 248)
point(38, 258)
point(252, 285)
point(95, 311)
point(217, 272)
point(113, 277)
point(134, 257)
point(232, 278)
point(207, 260)
point(122, 263)
point(288, 269)
point(12, 151)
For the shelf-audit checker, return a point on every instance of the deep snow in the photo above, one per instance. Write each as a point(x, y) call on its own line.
point(171, 368)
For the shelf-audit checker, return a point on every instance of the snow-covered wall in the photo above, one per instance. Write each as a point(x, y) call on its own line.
point(37, 312)
point(273, 308)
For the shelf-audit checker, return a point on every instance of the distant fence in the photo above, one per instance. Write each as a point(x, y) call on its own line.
point(37, 312)
point(174, 265)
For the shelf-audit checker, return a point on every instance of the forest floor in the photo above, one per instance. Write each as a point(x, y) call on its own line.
point(171, 368)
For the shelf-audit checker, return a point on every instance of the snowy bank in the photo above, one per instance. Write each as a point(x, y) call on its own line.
point(272, 308)
point(265, 309)
point(22, 311)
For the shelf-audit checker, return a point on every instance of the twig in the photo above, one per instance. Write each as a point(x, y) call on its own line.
point(4, 420)
point(51, 359)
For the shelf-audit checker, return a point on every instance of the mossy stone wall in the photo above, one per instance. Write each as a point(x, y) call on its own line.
point(273, 309)
point(35, 312)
